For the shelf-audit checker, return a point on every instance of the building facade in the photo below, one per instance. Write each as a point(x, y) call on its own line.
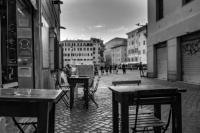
point(29, 36)
point(77, 52)
point(174, 40)
point(118, 54)
point(137, 46)
point(111, 49)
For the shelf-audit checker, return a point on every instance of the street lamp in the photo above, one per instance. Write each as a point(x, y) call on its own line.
point(138, 24)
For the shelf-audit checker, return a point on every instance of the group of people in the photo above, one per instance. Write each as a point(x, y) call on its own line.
point(108, 68)
point(67, 70)
point(114, 69)
point(111, 69)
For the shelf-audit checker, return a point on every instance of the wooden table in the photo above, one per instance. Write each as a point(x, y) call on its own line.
point(38, 103)
point(157, 95)
point(73, 81)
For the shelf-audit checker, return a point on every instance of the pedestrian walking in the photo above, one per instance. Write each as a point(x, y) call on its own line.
point(106, 68)
point(124, 69)
point(102, 70)
point(110, 69)
point(141, 70)
point(116, 69)
point(96, 70)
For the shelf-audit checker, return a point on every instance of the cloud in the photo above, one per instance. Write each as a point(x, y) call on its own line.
point(118, 29)
point(99, 26)
point(94, 27)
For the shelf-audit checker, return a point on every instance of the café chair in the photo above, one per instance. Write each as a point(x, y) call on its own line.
point(88, 70)
point(62, 83)
point(147, 122)
point(24, 123)
point(93, 90)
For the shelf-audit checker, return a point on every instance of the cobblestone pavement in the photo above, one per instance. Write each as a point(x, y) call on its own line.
point(99, 120)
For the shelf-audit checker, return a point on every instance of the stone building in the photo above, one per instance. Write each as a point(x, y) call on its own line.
point(77, 52)
point(118, 54)
point(29, 37)
point(115, 52)
point(174, 40)
point(137, 46)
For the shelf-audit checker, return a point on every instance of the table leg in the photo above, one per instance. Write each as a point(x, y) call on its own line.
point(124, 115)
point(72, 86)
point(86, 93)
point(177, 115)
point(43, 118)
point(157, 113)
point(52, 119)
point(115, 114)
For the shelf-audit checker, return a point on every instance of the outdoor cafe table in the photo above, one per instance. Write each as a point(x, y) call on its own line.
point(38, 103)
point(75, 80)
point(149, 95)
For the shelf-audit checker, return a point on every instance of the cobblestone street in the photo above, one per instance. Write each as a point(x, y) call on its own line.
point(99, 120)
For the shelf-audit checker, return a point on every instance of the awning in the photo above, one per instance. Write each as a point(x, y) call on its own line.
point(34, 3)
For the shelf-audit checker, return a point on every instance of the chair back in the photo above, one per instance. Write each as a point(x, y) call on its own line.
point(85, 70)
point(126, 82)
point(96, 85)
point(60, 79)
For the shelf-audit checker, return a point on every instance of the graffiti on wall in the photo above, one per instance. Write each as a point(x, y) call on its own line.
point(191, 47)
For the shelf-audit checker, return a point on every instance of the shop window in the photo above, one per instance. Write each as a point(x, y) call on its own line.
point(16, 40)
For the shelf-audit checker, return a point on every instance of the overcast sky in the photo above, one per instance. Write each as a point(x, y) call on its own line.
point(103, 19)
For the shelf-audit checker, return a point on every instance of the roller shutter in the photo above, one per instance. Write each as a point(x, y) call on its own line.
point(191, 60)
point(162, 62)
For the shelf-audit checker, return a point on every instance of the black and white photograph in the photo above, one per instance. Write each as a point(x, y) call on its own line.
point(99, 66)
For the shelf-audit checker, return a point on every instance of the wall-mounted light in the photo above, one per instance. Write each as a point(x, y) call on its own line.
point(138, 24)
point(57, 2)
point(62, 27)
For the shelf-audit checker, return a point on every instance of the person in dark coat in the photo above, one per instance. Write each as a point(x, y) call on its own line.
point(124, 69)
point(102, 70)
point(110, 69)
point(106, 68)
point(141, 70)
point(116, 69)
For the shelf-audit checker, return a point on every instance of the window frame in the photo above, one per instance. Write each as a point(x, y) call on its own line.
point(159, 9)
point(185, 2)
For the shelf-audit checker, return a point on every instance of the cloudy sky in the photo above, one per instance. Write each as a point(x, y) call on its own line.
point(103, 19)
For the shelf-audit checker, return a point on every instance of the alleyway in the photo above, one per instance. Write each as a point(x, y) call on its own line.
point(99, 120)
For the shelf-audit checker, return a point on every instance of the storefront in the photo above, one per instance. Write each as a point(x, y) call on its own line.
point(30, 34)
point(17, 43)
point(190, 53)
